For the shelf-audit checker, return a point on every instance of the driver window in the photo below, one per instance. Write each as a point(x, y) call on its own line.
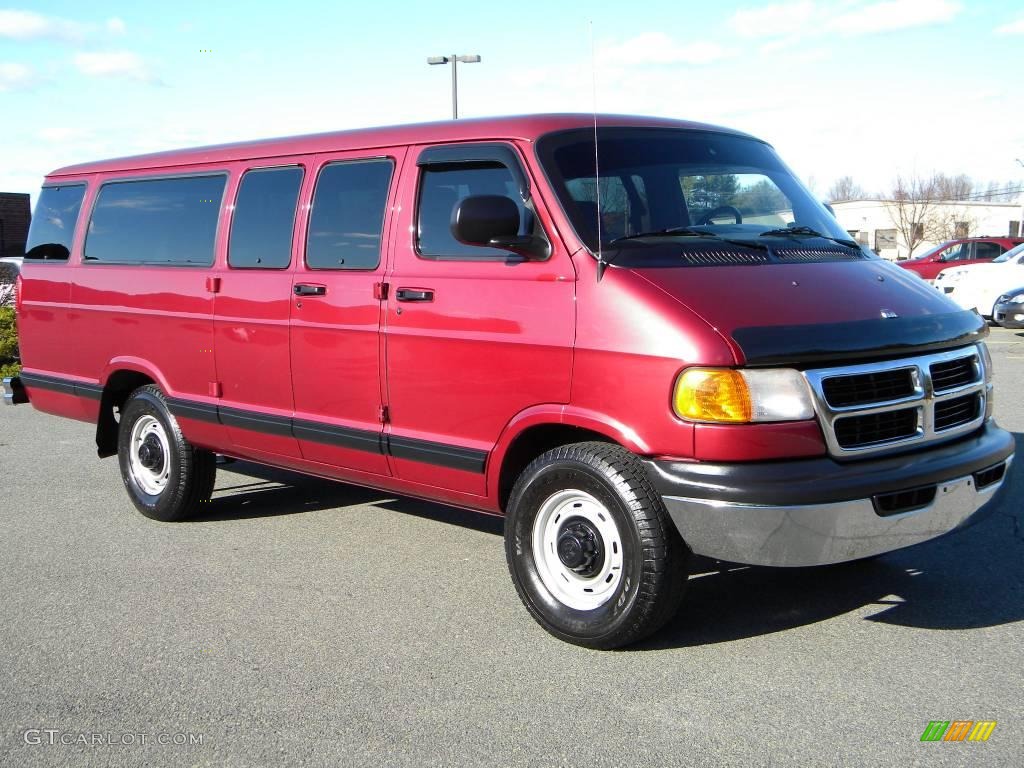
point(953, 253)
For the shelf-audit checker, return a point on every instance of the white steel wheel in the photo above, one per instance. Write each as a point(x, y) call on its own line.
point(149, 456)
point(578, 549)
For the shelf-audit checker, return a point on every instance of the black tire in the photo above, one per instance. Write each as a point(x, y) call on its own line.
point(654, 557)
point(189, 473)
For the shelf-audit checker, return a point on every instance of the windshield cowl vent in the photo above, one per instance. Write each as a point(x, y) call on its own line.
point(800, 255)
point(710, 257)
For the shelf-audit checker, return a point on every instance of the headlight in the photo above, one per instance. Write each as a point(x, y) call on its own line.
point(728, 395)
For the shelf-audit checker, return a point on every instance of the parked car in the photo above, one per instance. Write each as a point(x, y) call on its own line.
point(977, 286)
point(451, 311)
point(1009, 309)
point(960, 252)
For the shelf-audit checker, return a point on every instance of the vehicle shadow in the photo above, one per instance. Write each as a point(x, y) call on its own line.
point(255, 490)
point(967, 580)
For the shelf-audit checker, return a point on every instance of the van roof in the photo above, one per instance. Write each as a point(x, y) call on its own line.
point(525, 127)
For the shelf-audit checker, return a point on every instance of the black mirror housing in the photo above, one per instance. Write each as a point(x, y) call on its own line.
point(478, 219)
point(493, 221)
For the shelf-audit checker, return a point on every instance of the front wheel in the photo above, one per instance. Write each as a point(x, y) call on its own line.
point(166, 477)
point(591, 549)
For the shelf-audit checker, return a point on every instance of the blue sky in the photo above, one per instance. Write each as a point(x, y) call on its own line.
point(866, 88)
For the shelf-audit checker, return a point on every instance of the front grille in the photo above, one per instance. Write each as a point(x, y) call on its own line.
point(875, 387)
point(805, 255)
point(896, 404)
point(875, 428)
point(887, 504)
point(953, 373)
point(957, 411)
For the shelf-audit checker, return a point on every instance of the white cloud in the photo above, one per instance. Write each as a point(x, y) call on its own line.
point(894, 14)
point(113, 64)
point(1012, 27)
point(774, 20)
point(116, 26)
point(659, 48)
point(28, 25)
point(13, 75)
point(794, 20)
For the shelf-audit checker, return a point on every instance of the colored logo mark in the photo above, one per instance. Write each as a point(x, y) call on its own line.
point(958, 730)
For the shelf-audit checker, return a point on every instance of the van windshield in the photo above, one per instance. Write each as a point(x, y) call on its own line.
point(659, 185)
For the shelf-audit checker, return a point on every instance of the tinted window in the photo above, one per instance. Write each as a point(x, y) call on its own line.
point(657, 179)
point(987, 250)
point(348, 215)
point(156, 221)
point(261, 232)
point(441, 189)
point(53, 225)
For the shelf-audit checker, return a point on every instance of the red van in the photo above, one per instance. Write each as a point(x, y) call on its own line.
point(638, 344)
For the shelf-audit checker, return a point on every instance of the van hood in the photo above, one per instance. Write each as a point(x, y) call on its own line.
point(799, 314)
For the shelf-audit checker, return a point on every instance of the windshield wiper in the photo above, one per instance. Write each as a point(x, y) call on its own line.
point(670, 232)
point(688, 232)
point(806, 232)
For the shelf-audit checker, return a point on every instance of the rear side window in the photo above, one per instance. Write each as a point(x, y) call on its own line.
point(348, 215)
point(261, 231)
point(444, 187)
point(53, 225)
point(156, 221)
point(987, 250)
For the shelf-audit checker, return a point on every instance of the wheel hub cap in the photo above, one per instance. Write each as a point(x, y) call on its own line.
point(151, 453)
point(580, 548)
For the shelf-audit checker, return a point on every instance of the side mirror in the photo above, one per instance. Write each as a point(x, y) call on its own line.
point(493, 221)
point(830, 209)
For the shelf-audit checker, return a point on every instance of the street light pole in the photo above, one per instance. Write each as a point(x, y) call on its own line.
point(454, 61)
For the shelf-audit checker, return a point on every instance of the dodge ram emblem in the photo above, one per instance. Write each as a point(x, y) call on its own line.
point(888, 314)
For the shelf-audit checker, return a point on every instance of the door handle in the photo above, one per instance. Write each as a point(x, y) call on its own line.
point(305, 289)
point(414, 294)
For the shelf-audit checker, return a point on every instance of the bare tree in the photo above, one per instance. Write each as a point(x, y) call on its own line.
point(943, 224)
point(845, 188)
point(911, 205)
point(959, 187)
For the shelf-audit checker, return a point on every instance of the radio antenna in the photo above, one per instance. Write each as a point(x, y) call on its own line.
point(601, 265)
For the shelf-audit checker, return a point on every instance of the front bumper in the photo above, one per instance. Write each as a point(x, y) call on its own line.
point(819, 511)
point(1009, 315)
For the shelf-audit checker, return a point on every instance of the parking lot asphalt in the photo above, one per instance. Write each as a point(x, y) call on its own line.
point(303, 622)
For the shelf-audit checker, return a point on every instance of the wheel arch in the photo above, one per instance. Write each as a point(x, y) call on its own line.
point(122, 377)
point(540, 429)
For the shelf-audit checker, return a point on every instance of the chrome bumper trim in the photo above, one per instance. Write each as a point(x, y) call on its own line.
point(818, 534)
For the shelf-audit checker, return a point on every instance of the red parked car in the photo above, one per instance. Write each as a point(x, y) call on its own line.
point(957, 253)
point(682, 355)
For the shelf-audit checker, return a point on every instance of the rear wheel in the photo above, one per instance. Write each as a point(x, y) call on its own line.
point(166, 477)
point(590, 547)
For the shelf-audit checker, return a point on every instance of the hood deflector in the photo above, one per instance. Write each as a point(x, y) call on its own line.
point(859, 339)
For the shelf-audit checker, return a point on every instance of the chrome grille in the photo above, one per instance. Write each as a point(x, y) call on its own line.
point(951, 374)
point(875, 428)
point(887, 406)
point(874, 387)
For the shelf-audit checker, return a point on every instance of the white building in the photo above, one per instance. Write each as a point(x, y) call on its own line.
point(874, 222)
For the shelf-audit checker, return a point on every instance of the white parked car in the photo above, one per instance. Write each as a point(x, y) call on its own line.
point(977, 286)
